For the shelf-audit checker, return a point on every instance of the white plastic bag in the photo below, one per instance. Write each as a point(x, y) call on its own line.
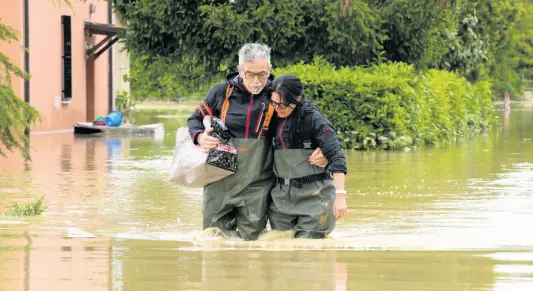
point(189, 166)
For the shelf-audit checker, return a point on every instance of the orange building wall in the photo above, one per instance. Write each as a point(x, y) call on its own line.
point(45, 33)
point(45, 64)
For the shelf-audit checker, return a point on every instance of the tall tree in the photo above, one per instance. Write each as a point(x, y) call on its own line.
point(523, 37)
point(417, 31)
point(495, 27)
point(15, 114)
point(209, 32)
point(196, 38)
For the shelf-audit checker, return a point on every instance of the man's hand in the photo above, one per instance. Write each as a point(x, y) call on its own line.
point(318, 159)
point(206, 141)
point(340, 208)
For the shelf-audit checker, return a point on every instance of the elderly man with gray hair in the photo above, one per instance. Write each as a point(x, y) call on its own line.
point(238, 204)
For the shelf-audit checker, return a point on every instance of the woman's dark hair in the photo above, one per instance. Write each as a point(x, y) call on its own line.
point(289, 87)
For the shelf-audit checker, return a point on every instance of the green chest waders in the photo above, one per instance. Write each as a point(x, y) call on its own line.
point(240, 202)
point(303, 197)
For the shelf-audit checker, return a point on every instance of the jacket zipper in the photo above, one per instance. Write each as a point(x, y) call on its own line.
point(260, 117)
point(249, 113)
point(280, 134)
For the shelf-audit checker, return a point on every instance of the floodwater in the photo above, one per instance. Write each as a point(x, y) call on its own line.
point(457, 217)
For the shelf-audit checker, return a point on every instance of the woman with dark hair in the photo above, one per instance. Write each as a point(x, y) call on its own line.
point(306, 198)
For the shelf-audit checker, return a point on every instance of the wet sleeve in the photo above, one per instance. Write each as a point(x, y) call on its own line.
point(211, 99)
point(328, 142)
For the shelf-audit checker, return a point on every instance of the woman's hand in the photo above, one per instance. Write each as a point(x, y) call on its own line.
point(318, 159)
point(340, 208)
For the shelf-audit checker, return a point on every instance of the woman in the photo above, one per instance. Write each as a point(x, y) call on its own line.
point(304, 199)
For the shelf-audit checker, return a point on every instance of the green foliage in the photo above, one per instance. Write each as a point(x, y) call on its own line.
point(468, 52)
point(494, 32)
point(191, 41)
point(30, 209)
point(417, 31)
point(15, 114)
point(523, 38)
point(391, 106)
point(124, 102)
point(208, 33)
point(164, 79)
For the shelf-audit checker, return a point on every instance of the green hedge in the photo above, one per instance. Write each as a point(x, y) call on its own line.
point(392, 106)
point(163, 79)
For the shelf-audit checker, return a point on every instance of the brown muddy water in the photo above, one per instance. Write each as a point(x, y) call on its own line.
point(456, 217)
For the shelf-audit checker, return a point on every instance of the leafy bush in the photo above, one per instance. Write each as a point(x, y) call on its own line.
point(164, 79)
point(391, 106)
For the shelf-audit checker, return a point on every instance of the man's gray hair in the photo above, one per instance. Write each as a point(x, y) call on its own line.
point(253, 51)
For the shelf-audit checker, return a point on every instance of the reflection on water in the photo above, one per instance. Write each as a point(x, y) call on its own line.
point(47, 260)
point(448, 218)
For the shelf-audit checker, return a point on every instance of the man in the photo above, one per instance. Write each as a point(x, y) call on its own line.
point(238, 204)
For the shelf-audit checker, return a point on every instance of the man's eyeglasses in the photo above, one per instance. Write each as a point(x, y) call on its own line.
point(260, 75)
point(282, 105)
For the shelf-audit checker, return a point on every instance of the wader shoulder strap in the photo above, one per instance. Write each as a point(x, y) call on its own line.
point(307, 128)
point(303, 136)
point(204, 109)
point(225, 105)
point(268, 118)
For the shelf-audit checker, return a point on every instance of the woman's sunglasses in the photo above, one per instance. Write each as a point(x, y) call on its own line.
point(282, 105)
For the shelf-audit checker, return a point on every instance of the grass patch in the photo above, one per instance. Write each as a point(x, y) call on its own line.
point(30, 209)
